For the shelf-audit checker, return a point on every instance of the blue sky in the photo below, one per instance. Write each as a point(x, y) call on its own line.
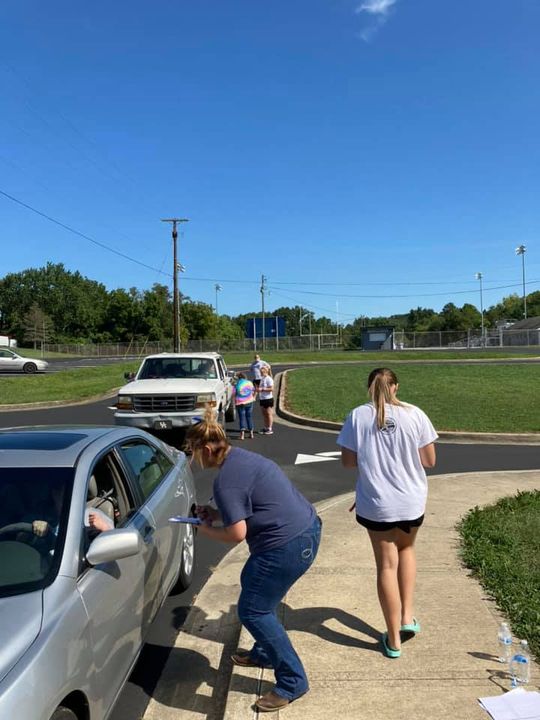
point(363, 147)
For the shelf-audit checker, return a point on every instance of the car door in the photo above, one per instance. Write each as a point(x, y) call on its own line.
point(165, 494)
point(118, 596)
point(226, 380)
point(9, 361)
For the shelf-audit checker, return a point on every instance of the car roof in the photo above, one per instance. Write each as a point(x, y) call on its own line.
point(53, 446)
point(209, 355)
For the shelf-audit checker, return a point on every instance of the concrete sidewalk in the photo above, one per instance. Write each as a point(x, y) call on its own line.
point(334, 620)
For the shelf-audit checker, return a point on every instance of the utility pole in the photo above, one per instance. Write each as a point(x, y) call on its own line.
point(263, 290)
point(218, 289)
point(479, 277)
point(176, 296)
point(521, 250)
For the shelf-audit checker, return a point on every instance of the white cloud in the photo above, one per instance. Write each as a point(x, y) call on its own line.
point(376, 7)
point(378, 10)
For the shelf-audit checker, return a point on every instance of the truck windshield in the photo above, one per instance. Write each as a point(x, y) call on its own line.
point(168, 368)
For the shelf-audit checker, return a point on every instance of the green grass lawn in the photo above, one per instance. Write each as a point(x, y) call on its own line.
point(501, 544)
point(291, 356)
point(482, 398)
point(65, 385)
point(475, 398)
point(31, 353)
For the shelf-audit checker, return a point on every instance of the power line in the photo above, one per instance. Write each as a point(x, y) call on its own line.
point(250, 282)
point(312, 307)
point(416, 295)
point(82, 235)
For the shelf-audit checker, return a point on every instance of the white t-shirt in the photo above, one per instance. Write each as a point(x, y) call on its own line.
point(256, 368)
point(392, 483)
point(266, 388)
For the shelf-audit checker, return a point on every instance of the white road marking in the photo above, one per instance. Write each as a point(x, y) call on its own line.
point(301, 459)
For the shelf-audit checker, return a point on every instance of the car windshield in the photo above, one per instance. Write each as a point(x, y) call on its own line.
point(34, 505)
point(167, 368)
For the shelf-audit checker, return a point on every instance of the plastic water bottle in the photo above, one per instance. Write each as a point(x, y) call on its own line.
point(520, 665)
point(505, 643)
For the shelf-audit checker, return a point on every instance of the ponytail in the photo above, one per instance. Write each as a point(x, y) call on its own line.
point(380, 383)
point(207, 431)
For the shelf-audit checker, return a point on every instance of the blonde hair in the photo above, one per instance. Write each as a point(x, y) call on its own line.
point(380, 382)
point(208, 432)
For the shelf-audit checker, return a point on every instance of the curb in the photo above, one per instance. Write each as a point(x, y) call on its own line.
point(444, 435)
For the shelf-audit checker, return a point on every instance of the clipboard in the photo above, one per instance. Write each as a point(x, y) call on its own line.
point(188, 520)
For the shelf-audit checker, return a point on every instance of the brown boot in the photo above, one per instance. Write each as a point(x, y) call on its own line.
point(270, 702)
point(243, 660)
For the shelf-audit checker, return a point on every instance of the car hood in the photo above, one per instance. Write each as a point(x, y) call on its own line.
point(20, 623)
point(170, 387)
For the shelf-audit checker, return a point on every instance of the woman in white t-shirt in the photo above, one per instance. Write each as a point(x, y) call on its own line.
point(266, 399)
point(390, 443)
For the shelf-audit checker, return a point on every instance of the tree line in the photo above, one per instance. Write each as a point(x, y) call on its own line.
point(54, 305)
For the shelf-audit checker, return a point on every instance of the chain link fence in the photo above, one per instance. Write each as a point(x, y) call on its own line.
point(490, 338)
point(402, 340)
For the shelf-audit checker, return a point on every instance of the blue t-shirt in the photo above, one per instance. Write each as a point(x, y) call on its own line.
point(252, 488)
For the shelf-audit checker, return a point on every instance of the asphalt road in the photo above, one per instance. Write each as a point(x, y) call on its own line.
point(318, 477)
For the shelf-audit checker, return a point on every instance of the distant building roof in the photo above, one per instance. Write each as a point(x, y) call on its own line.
point(532, 323)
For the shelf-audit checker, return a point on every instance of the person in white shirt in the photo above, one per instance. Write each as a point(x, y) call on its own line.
point(266, 399)
point(255, 369)
point(390, 443)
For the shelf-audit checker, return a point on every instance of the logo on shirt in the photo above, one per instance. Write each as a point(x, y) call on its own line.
point(389, 427)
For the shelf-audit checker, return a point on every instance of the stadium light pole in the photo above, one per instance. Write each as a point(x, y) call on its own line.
point(479, 277)
point(217, 288)
point(521, 250)
point(176, 296)
point(305, 315)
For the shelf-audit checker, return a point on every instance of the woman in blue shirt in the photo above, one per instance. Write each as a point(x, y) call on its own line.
point(256, 502)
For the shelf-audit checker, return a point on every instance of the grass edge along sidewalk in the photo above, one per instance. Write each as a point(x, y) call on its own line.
point(457, 398)
point(500, 543)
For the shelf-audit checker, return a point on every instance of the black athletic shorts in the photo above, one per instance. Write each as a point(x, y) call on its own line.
point(404, 525)
point(256, 383)
point(267, 403)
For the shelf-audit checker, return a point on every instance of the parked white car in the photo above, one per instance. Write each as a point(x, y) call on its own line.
point(171, 389)
point(77, 603)
point(12, 362)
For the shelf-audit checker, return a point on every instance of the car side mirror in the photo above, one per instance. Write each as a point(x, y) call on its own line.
point(129, 376)
point(114, 545)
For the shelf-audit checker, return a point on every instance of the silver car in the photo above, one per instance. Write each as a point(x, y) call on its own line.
point(12, 362)
point(76, 599)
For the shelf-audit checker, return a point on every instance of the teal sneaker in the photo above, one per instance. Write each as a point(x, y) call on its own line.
point(389, 651)
point(412, 628)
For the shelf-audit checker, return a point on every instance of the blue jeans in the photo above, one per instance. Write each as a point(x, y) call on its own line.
point(245, 416)
point(265, 580)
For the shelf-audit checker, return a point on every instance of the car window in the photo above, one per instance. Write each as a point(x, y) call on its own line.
point(6, 354)
point(34, 507)
point(109, 491)
point(221, 366)
point(149, 465)
point(203, 368)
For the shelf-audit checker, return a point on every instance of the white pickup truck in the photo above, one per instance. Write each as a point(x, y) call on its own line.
point(171, 389)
